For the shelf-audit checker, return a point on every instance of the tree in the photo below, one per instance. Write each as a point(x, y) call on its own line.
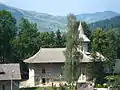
point(98, 44)
point(72, 55)
point(47, 39)
point(7, 34)
point(58, 39)
point(52, 39)
point(63, 40)
point(98, 40)
point(112, 47)
point(26, 44)
point(107, 44)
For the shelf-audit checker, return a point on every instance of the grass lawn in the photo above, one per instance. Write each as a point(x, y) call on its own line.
point(38, 88)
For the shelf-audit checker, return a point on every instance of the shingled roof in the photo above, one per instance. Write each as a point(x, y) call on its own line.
point(10, 71)
point(81, 33)
point(51, 55)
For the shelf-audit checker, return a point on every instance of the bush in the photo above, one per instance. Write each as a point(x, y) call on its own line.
point(101, 86)
point(105, 85)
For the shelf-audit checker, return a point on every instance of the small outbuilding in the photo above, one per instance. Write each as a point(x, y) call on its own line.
point(9, 76)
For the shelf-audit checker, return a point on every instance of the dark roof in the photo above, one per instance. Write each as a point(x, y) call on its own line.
point(10, 71)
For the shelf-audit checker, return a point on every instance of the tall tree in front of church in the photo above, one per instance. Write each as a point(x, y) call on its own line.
point(72, 55)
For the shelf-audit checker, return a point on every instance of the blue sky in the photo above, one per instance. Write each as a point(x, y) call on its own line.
point(64, 7)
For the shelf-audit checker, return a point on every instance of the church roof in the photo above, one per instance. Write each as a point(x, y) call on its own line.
point(10, 71)
point(81, 33)
point(52, 55)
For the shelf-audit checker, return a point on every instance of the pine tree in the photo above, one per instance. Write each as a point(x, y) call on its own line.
point(58, 39)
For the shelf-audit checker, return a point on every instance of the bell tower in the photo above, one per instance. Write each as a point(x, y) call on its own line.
point(84, 37)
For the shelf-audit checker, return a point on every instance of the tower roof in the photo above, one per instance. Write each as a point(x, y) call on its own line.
point(81, 33)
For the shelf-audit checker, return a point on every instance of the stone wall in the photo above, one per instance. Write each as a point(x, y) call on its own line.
point(52, 73)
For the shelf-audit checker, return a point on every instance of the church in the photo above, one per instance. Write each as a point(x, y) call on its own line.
point(45, 67)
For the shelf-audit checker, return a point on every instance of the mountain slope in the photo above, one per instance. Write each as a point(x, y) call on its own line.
point(107, 23)
point(47, 22)
point(92, 17)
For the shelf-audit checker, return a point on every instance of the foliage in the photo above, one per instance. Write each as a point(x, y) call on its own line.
point(52, 40)
point(7, 34)
point(101, 86)
point(112, 48)
point(114, 81)
point(106, 43)
point(98, 40)
point(106, 24)
point(98, 44)
point(59, 40)
point(72, 55)
point(26, 43)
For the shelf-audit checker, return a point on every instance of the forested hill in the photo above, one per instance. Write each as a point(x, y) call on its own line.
point(107, 23)
point(47, 22)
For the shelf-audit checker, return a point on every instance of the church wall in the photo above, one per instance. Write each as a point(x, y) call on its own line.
point(47, 73)
point(53, 73)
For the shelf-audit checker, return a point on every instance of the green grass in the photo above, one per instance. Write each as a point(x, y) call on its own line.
point(38, 88)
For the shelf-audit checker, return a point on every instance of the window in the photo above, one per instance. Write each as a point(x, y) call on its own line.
point(43, 70)
point(2, 72)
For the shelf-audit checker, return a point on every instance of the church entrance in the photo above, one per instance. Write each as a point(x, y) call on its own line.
point(43, 80)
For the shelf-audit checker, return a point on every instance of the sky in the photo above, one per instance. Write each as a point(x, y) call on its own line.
point(64, 7)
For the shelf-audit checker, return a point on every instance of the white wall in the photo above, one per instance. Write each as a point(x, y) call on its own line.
point(117, 66)
point(31, 75)
point(101, 89)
